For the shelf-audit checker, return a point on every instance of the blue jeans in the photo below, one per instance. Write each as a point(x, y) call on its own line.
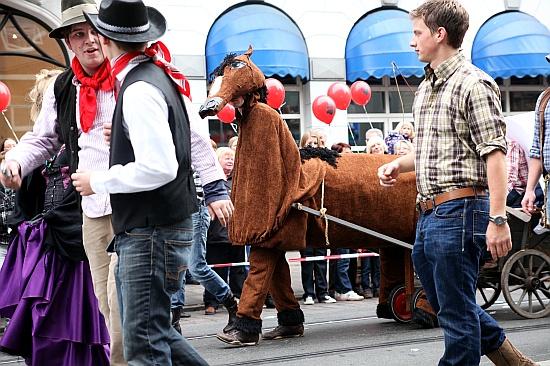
point(198, 267)
point(151, 266)
point(342, 283)
point(314, 274)
point(446, 255)
point(370, 269)
point(178, 298)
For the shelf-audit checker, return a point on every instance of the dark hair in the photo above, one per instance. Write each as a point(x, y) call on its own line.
point(340, 146)
point(449, 14)
point(130, 46)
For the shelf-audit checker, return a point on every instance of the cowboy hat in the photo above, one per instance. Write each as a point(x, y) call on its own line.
point(128, 21)
point(72, 12)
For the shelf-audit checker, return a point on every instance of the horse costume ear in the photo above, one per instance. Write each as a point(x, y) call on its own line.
point(249, 51)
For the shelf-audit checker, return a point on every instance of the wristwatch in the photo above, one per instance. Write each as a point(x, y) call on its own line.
point(498, 220)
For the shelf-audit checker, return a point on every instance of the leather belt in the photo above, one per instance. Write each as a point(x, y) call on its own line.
point(430, 203)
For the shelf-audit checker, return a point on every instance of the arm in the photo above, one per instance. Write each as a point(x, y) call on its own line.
point(206, 164)
point(498, 237)
point(388, 173)
point(146, 122)
point(535, 171)
point(35, 146)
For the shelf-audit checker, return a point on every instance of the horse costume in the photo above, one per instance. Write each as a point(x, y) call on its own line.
point(270, 175)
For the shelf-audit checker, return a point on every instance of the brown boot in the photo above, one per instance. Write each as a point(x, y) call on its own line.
point(285, 331)
point(508, 355)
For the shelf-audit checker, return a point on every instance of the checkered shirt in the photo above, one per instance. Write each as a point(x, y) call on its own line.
point(535, 149)
point(458, 120)
point(518, 169)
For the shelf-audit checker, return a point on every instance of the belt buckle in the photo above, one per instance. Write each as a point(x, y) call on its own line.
point(423, 205)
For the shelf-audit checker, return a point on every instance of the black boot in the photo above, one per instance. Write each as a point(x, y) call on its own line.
point(246, 332)
point(176, 316)
point(291, 324)
point(231, 305)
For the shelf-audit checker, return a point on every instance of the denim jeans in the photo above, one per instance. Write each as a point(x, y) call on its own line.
point(370, 269)
point(198, 267)
point(151, 266)
point(177, 299)
point(446, 256)
point(314, 274)
point(342, 283)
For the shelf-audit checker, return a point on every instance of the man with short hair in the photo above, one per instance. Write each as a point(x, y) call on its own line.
point(150, 180)
point(460, 153)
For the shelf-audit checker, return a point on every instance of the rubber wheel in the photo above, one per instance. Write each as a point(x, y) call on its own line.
point(398, 305)
point(525, 283)
point(488, 290)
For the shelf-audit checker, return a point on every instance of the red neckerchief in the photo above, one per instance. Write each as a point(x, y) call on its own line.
point(161, 57)
point(89, 86)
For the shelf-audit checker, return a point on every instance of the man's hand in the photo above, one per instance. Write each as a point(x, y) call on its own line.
point(388, 173)
point(10, 176)
point(222, 209)
point(498, 240)
point(81, 182)
point(107, 132)
point(528, 201)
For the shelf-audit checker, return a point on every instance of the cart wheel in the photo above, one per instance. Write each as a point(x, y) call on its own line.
point(423, 313)
point(525, 283)
point(488, 291)
point(398, 305)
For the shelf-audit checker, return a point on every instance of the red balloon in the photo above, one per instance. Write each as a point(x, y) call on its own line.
point(275, 93)
point(227, 113)
point(324, 108)
point(5, 96)
point(360, 92)
point(341, 95)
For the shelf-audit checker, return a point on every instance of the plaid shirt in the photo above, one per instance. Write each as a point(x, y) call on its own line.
point(535, 149)
point(516, 162)
point(459, 121)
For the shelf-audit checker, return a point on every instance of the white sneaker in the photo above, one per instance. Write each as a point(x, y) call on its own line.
point(309, 301)
point(327, 300)
point(348, 296)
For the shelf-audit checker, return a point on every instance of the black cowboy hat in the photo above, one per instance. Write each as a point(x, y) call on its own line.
point(128, 21)
point(72, 12)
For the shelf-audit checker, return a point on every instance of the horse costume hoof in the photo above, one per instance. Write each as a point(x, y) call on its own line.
point(285, 331)
point(239, 338)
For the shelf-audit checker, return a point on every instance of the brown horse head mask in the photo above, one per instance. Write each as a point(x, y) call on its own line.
point(237, 76)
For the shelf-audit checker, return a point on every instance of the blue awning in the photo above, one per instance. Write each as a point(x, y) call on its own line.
point(279, 46)
point(512, 43)
point(378, 39)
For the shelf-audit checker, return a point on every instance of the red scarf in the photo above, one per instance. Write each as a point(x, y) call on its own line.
point(161, 57)
point(89, 86)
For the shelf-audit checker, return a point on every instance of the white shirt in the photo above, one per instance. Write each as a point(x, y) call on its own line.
point(145, 122)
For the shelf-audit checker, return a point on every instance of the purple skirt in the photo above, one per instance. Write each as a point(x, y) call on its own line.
point(54, 314)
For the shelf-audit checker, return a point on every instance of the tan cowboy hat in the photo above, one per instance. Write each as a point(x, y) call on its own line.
point(72, 12)
point(127, 21)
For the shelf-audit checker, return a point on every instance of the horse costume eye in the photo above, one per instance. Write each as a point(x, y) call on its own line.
point(237, 64)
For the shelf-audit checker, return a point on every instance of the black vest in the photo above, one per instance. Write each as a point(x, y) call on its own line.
point(66, 128)
point(174, 201)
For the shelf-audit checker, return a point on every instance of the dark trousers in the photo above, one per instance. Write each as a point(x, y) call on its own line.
point(314, 274)
point(234, 276)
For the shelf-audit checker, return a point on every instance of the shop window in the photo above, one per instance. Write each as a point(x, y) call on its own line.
point(395, 101)
point(412, 80)
point(375, 105)
point(523, 101)
point(358, 130)
point(221, 132)
point(25, 49)
point(294, 127)
point(527, 80)
point(292, 103)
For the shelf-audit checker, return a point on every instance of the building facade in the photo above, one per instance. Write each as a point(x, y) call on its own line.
point(307, 46)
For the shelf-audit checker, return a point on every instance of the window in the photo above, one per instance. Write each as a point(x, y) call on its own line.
point(291, 104)
point(221, 132)
point(356, 131)
point(521, 101)
point(395, 101)
point(375, 105)
point(26, 49)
